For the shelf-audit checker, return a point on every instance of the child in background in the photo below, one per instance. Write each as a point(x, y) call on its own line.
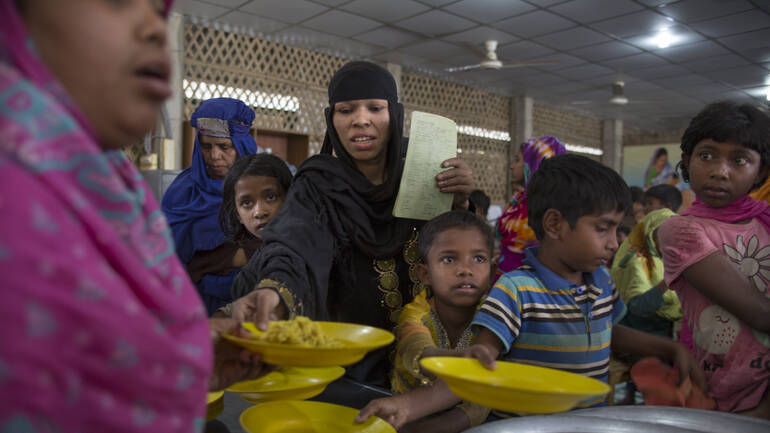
point(481, 201)
point(635, 212)
point(252, 194)
point(622, 233)
point(716, 253)
point(638, 269)
point(456, 249)
point(561, 310)
point(512, 229)
point(638, 274)
point(662, 196)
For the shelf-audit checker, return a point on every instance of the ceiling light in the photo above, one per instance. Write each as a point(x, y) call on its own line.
point(768, 95)
point(663, 39)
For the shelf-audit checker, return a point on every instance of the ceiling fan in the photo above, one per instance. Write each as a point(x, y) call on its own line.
point(490, 61)
point(618, 96)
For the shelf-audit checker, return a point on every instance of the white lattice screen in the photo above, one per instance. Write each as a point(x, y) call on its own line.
point(487, 157)
point(287, 88)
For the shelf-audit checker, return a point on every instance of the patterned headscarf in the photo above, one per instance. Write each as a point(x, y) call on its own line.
point(513, 228)
point(536, 150)
point(102, 329)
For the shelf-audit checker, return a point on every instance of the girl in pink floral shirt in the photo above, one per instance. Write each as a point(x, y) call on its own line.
point(717, 254)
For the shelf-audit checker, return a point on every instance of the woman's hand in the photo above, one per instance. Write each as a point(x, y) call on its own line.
point(394, 410)
point(231, 363)
point(458, 180)
point(260, 306)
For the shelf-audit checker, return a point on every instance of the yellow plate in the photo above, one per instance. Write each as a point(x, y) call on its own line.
point(514, 387)
point(288, 383)
point(356, 341)
point(215, 404)
point(307, 417)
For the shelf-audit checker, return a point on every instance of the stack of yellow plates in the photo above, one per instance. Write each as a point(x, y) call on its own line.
point(514, 387)
point(308, 417)
point(215, 404)
point(288, 383)
point(356, 341)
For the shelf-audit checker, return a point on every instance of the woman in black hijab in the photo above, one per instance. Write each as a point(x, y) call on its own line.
point(335, 251)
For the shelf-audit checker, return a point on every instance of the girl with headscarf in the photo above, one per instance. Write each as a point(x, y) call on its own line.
point(192, 202)
point(335, 251)
point(101, 329)
point(512, 228)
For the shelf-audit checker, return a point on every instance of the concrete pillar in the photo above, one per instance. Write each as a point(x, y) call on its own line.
point(612, 143)
point(521, 130)
point(174, 106)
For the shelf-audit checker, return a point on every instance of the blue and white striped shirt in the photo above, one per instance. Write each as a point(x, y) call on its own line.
point(545, 320)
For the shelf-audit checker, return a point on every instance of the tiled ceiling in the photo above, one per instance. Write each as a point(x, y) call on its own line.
point(721, 47)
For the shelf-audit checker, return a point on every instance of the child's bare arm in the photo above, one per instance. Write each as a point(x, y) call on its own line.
point(720, 280)
point(451, 421)
point(628, 340)
point(486, 348)
point(416, 404)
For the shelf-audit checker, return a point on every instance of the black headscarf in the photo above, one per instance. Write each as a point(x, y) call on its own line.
point(333, 211)
point(364, 209)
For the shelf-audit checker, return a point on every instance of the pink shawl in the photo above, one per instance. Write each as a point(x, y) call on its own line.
point(101, 328)
point(741, 209)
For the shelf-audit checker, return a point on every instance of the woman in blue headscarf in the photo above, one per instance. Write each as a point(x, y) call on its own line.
point(192, 202)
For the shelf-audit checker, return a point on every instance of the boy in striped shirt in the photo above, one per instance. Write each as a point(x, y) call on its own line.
point(561, 309)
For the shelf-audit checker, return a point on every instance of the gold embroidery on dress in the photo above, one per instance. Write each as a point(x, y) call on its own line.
point(442, 339)
point(412, 258)
point(388, 284)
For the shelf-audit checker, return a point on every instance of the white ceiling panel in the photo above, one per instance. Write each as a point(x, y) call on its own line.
point(387, 11)
point(478, 35)
point(563, 61)
point(637, 23)
point(341, 23)
point(588, 11)
point(606, 50)
point(522, 50)
point(732, 24)
point(433, 49)
point(228, 3)
point(690, 11)
point(659, 71)
point(575, 37)
point(488, 11)
point(199, 9)
point(745, 41)
point(637, 61)
point(743, 76)
point(758, 55)
point(387, 37)
point(725, 61)
point(437, 2)
point(332, 2)
point(681, 82)
point(585, 71)
point(534, 24)
point(435, 23)
point(288, 11)
point(697, 50)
